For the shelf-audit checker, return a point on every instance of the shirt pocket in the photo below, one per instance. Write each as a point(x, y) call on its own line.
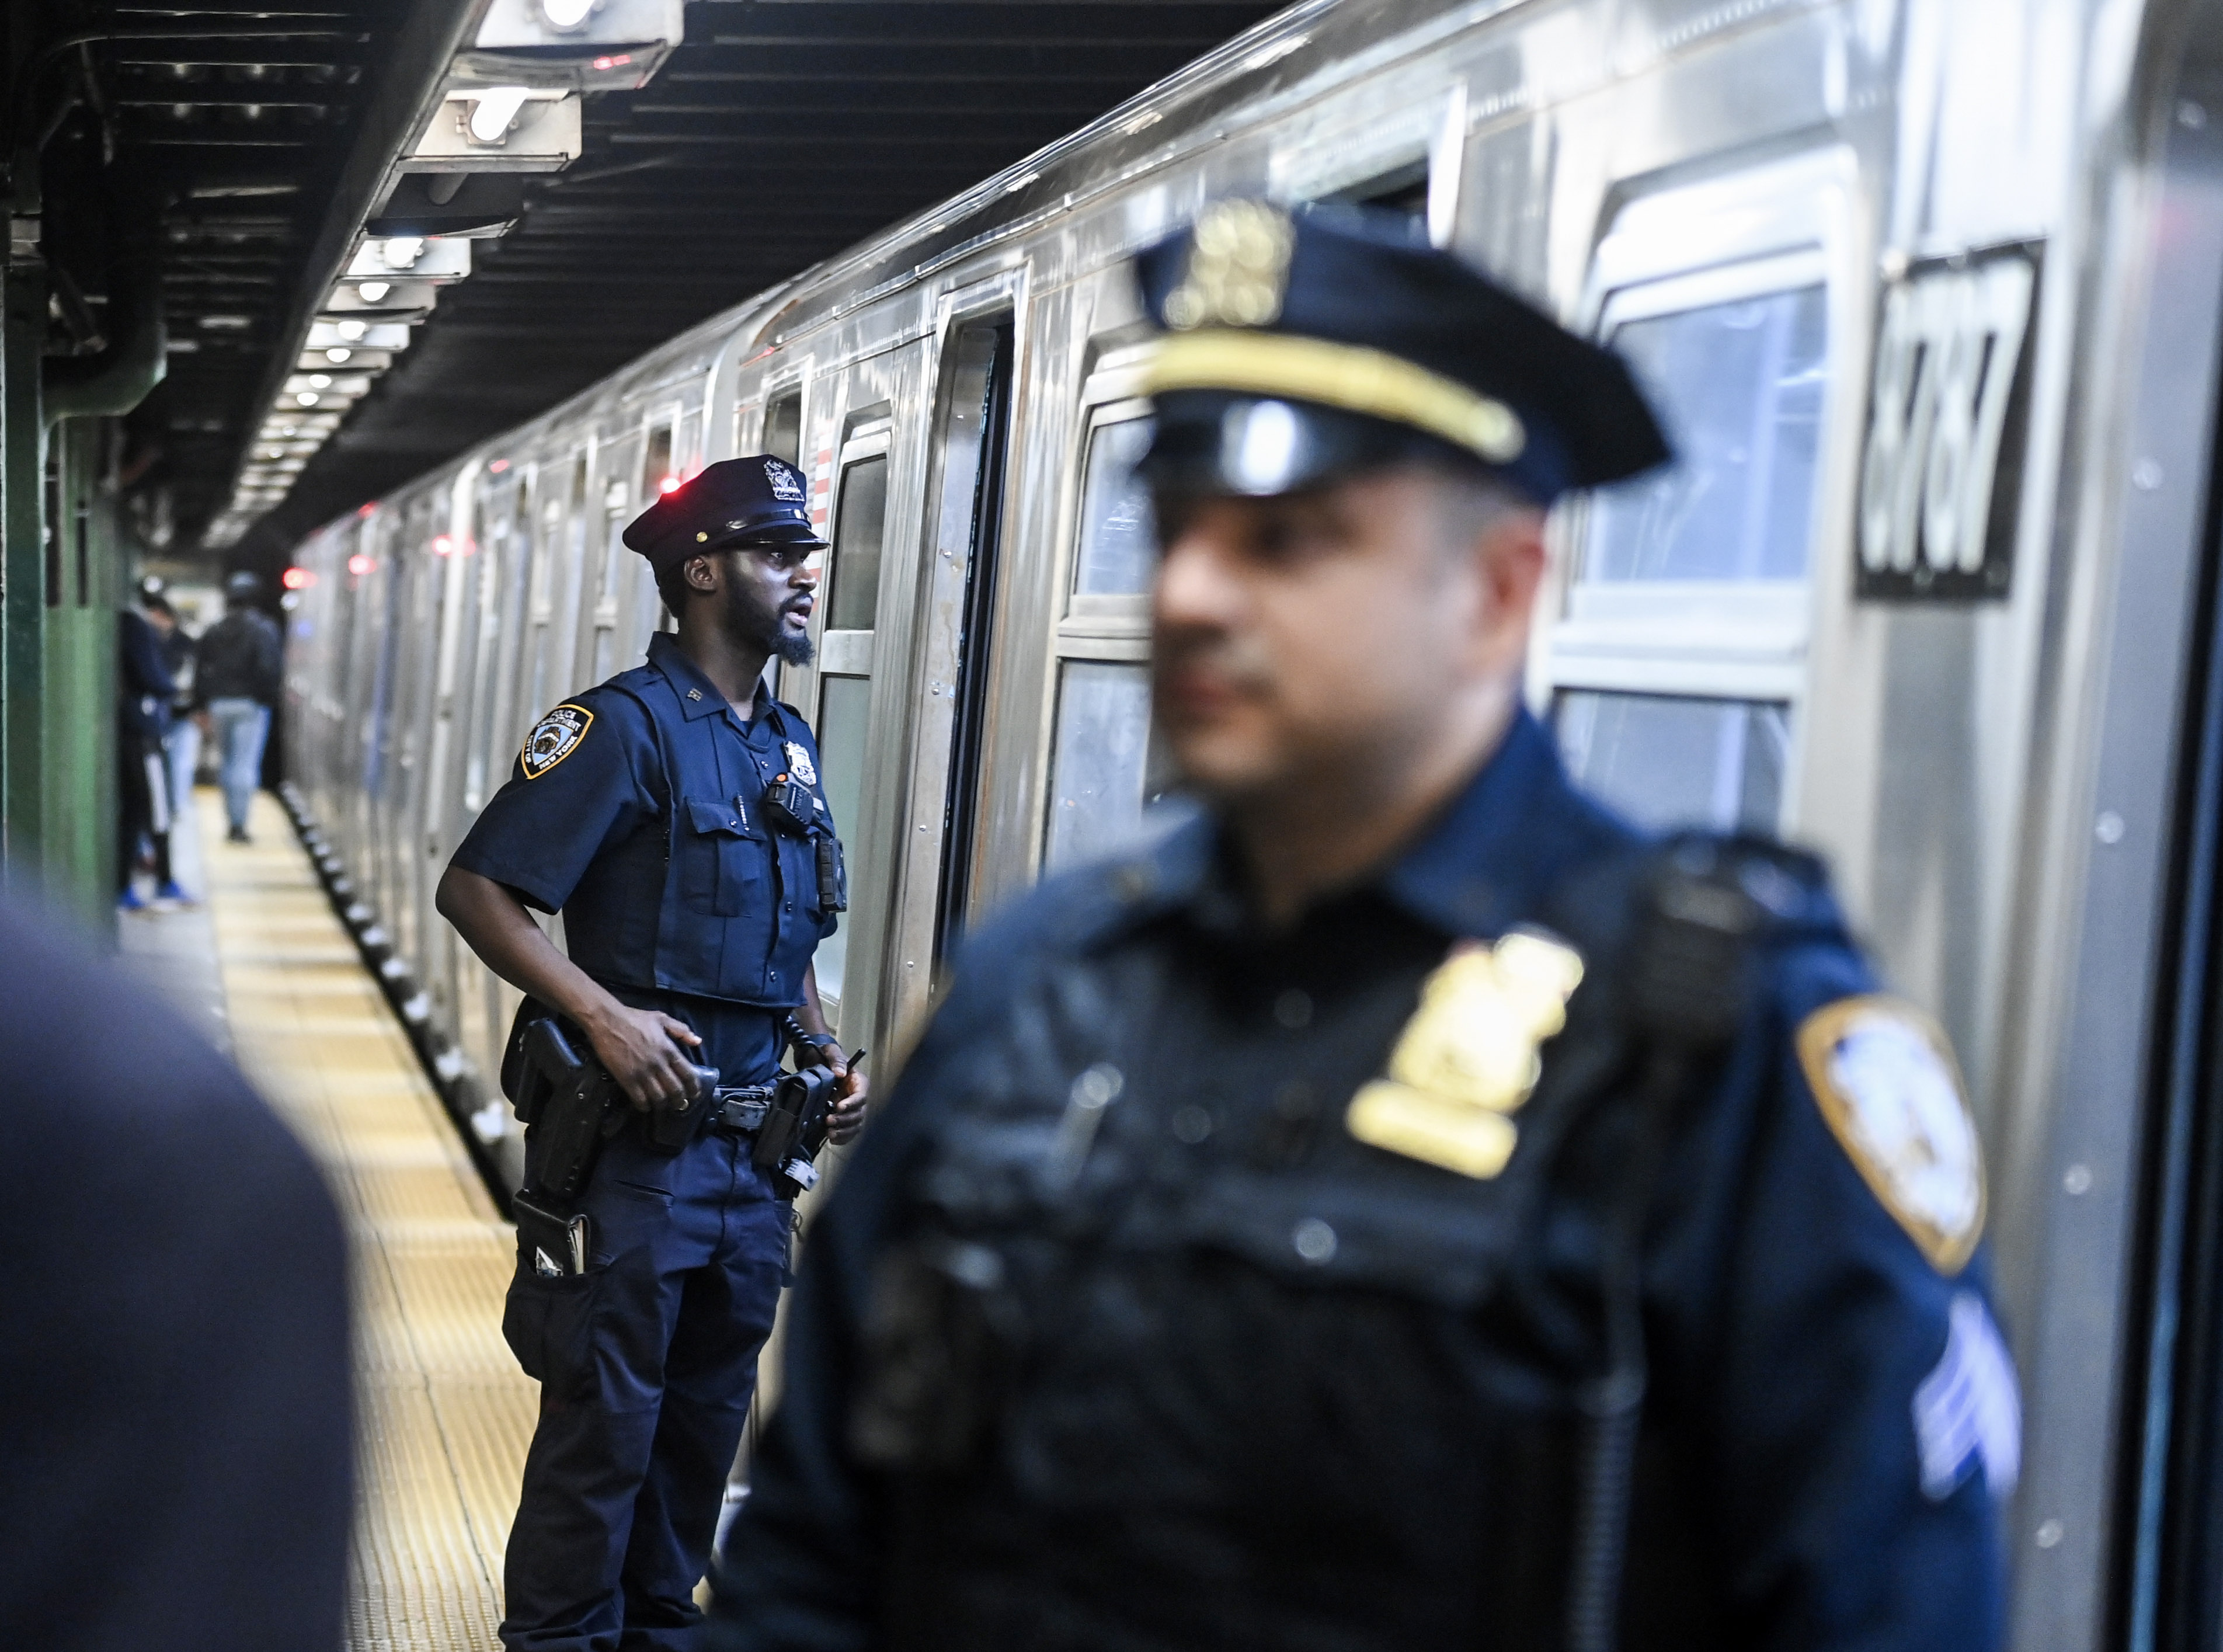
point(721, 856)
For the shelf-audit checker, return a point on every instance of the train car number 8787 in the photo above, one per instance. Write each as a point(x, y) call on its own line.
point(1941, 476)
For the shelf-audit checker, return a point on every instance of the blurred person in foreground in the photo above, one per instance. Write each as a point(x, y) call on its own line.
point(235, 681)
point(176, 1416)
point(1406, 1208)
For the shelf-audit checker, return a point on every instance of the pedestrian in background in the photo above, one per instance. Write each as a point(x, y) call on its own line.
point(235, 682)
point(144, 688)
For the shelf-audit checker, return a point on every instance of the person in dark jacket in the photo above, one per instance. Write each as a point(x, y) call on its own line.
point(176, 1408)
point(235, 681)
point(143, 693)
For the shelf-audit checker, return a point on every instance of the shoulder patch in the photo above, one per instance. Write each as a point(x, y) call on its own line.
point(554, 738)
point(799, 764)
point(1886, 1082)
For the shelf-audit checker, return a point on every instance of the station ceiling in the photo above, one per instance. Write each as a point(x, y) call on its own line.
point(779, 132)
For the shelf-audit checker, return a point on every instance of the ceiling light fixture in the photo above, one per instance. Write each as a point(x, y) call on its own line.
point(351, 330)
point(566, 13)
point(493, 111)
point(306, 398)
point(373, 290)
point(339, 353)
point(400, 251)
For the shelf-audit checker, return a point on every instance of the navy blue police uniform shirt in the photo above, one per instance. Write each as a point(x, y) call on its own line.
point(586, 826)
point(1252, 1382)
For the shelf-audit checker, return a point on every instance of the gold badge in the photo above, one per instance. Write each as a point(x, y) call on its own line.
point(1885, 1078)
point(1238, 268)
point(1471, 1055)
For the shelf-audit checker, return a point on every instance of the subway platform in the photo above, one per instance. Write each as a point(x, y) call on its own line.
point(445, 1414)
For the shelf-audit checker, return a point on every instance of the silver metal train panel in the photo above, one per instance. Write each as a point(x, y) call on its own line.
point(1771, 206)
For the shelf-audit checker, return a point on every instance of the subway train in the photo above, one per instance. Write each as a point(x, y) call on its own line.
point(1931, 294)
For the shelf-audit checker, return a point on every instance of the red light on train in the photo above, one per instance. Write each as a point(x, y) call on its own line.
point(670, 484)
point(360, 564)
point(297, 579)
point(443, 545)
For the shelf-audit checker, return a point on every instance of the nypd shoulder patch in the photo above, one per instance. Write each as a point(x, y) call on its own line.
point(1886, 1082)
point(554, 738)
point(799, 764)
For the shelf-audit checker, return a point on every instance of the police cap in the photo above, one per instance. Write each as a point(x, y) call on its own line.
point(1304, 345)
point(759, 499)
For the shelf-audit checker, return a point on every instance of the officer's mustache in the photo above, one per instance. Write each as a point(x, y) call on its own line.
point(1224, 662)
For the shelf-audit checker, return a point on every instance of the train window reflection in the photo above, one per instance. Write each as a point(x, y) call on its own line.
point(1671, 760)
point(844, 719)
point(1740, 387)
point(1099, 760)
point(858, 523)
point(1118, 544)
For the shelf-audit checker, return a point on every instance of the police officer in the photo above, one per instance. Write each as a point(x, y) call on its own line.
point(675, 817)
point(1406, 1208)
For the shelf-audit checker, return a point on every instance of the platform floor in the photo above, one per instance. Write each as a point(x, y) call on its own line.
point(446, 1414)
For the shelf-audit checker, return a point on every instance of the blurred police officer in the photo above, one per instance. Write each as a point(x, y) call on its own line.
point(659, 813)
point(1230, 1272)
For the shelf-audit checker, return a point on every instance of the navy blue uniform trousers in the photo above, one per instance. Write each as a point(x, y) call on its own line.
point(647, 1363)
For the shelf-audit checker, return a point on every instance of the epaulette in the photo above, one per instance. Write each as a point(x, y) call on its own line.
point(1707, 906)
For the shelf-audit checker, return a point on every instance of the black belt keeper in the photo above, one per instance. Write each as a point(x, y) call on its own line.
point(742, 1111)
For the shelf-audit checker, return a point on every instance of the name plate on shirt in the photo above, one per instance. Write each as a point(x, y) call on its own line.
point(1470, 1056)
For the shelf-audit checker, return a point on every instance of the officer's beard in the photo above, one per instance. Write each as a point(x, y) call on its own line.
point(767, 627)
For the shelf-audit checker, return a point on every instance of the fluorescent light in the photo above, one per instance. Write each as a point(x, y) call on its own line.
point(351, 330)
point(339, 353)
point(320, 381)
point(493, 108)
point(402, 250)
point(306, 398)
point(373, 290)
point(566, 13)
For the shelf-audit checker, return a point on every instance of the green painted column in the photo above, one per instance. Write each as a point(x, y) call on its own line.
point(22, 571)
point(77, 694)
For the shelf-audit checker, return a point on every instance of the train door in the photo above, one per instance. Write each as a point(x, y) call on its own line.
point(619, 470)
point(457, 565)
point(966, 498)
point(848, 636)
point(1675, 665)
point(1101, 773)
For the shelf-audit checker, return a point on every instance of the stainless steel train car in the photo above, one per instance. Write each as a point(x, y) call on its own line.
point(1931, 291)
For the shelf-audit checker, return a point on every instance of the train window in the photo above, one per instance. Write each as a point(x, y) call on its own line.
point(782, 427)
point(1739, 386)
point(860, 525)
point(656, 463)
point(844, 733)
point(1100, 767)
point(1679, 760)
point(1118, 545)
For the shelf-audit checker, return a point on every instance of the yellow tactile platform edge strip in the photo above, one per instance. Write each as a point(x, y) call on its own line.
point(445, 1412)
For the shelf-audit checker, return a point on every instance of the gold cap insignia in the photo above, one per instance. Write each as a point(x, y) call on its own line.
point(1885, 1078)
point(1238, 268)
point(1470, 1056)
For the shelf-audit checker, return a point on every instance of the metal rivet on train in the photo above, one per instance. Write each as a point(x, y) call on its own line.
point(2146, 474)
point(2050, 1535)
point(2191, 116)
point(2077, 1182)
point(2109, 828)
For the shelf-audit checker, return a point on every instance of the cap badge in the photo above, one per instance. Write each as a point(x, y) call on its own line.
point(786, 486)
point(1238, 268)
point(1467, 1059)
point(799, 764)
point(554, 738)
